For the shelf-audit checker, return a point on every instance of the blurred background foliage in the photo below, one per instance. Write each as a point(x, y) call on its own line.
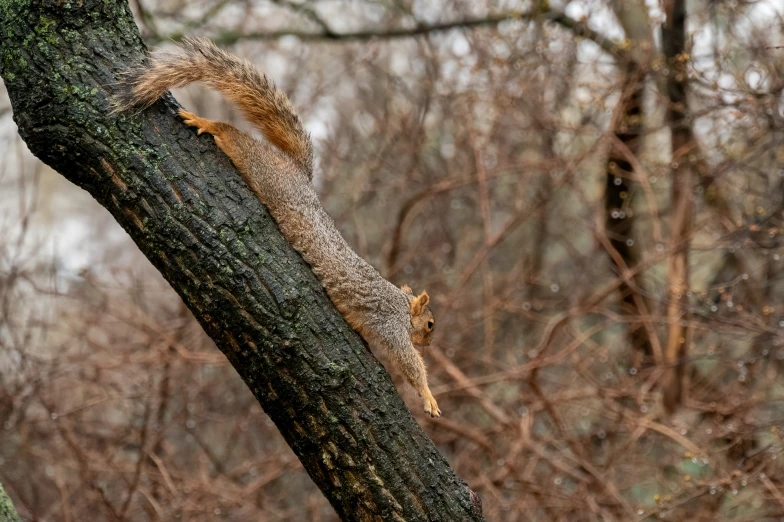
point(594, 205)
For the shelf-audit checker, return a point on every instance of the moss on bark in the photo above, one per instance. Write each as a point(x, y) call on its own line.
point(7, 511)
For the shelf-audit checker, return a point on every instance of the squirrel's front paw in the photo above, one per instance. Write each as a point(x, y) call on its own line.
point(431, 406)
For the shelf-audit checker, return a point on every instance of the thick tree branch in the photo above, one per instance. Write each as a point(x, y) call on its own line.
point(187, 209)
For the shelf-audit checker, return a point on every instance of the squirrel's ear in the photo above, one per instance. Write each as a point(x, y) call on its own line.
point(407, 290)
point(419, 303)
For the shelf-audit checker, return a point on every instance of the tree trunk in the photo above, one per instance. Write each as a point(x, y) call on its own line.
point(620, 216)
point(674, 44)
point(187, 209)
point(624, 180)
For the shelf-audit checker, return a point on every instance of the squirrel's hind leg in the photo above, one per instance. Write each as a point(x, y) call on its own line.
point(202, 124)
point(233, 142)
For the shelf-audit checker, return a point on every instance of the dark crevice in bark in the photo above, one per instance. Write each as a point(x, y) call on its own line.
point(189, 212)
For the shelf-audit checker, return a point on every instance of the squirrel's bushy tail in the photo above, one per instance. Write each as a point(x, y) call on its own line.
point(200, 60)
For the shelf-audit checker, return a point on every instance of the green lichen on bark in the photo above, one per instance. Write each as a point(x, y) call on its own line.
point(189, 212)
point(7, 511)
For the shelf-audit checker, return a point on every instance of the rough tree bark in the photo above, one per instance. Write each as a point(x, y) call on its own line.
point(187, 209)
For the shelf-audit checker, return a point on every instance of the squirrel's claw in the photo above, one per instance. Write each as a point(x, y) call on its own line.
point(431, 407)
point(192, 120)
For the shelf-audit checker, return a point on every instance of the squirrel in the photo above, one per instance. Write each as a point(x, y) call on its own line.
point(279, 171)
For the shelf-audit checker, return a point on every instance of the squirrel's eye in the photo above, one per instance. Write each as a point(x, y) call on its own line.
point(430, 325)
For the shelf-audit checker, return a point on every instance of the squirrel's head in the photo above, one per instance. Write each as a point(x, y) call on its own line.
point(422, 321)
